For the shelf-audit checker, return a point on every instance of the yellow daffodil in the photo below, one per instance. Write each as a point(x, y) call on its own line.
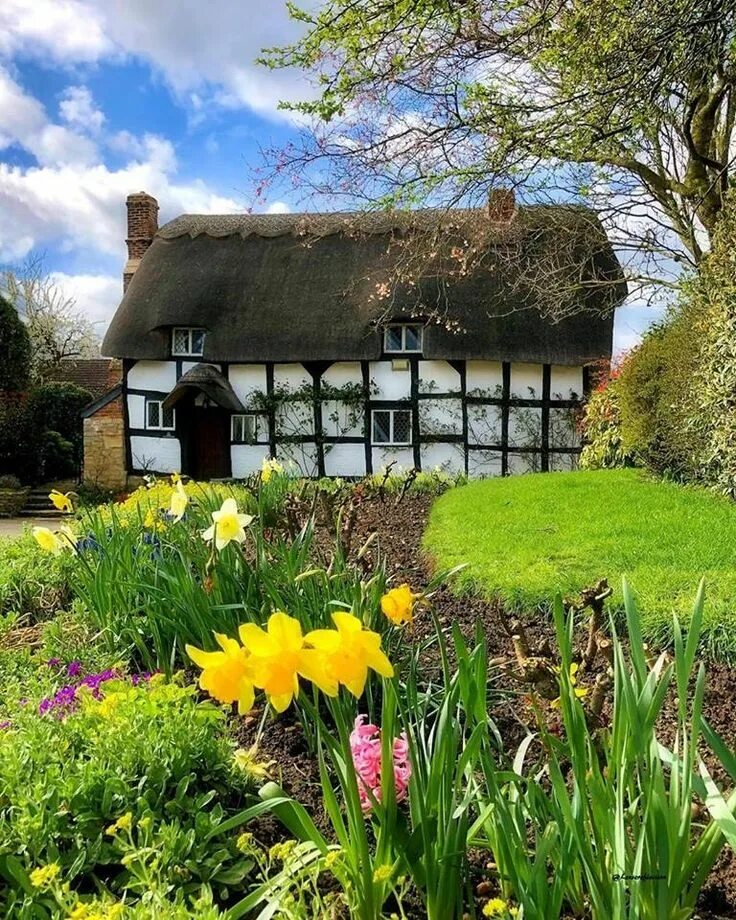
point(150, 519)
point(580, 692)
point(227, 675)
point(43, 876)
point(61, 500)
point(279, 656)
point(398, 605)
point(351, 650)
point(179, 502)
point(48, 540)
point(269, 467)
point(175, 478)
point(228, 524)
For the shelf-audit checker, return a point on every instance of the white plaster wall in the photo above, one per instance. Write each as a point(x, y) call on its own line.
point(526, 377)
point(483, 375)
point(344, 460)
point(484, 463)
point(484, 424)
point(390, 384)
point(346, 414)
point(444, 376)
point(137, 411)
point(153, 375)
point(450, 458)
point(293, 376)
point(337, 375)
point(245, 378)
point(566, 382)
point(563, 463)
point(440, 416)
point(300, 458)
point(247, 458)
point(403, 457)
point(524, 463)
point(525, 427)
point(563, 429)
point(188, 365)
point(157, 455)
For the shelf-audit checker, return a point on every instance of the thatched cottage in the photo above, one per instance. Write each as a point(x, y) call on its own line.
point(343, 342)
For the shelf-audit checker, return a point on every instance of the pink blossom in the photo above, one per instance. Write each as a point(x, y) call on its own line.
point(365, 747)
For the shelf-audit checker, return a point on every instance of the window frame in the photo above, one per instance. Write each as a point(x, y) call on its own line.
point(160, 426)
point(393, 442)
point(189, 330)
point(256, 427)
point(403, 350)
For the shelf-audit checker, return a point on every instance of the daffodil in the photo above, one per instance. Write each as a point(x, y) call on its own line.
point(580, 692)
point(280, 656)
point(228, 524)
point(179, 501)
point(226, 675)
point(351, 651)
point(61, 500)
point(269, 467)
point(48, 540)
point(398, 605)
point(175, 478)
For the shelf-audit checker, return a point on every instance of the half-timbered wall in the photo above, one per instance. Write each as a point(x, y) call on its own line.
point(486, 418)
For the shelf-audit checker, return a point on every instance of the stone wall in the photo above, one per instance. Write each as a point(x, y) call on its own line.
point(104, 447)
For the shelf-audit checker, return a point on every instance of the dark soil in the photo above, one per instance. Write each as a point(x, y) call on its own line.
point(399, 528)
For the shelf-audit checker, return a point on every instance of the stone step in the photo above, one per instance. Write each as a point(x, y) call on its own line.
point(50, 513)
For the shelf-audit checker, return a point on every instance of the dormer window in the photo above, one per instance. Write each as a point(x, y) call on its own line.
point(187, 342)
point(400, 338)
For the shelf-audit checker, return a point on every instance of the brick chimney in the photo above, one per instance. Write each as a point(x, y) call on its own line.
point(501, 205)
point(142, 227)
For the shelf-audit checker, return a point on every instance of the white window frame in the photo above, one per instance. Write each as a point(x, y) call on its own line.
point(393, 442)
point(403, 350)
point(256, 426)
point(188, 353)
point(160, 426)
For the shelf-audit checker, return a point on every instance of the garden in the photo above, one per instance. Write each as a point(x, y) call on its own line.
point(406, 697)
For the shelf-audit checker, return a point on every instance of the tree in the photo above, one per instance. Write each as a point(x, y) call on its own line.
point(15, 349)
point(624, 105)
point(56, 328)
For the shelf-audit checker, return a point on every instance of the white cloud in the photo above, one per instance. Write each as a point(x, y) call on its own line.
point(63, 31)
point(78, 109)
point(97, 296)
point(278, 207)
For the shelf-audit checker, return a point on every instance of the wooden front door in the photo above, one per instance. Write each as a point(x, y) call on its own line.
point(209, 443)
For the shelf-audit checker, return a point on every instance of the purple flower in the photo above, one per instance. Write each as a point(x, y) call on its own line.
point(6, 724)
point(53, 662)
point(74, 668)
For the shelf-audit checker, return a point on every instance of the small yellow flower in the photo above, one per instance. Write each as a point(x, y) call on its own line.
point(43, 876)
point(179, 502)
point(80, 911)
point(382, 873)
point(227, 675)
point(332, 858)
point(145, 822)
point(149, 520)
point(282, 851)
point(269, 467)
point(48, 540)
point(398, 605)
point(244, 843)
point(253, 769)
point(496, 907)
point(175, 478)
point(580, 692)
point(124, 823)
point(228, 524)
point(61, 500)
point(351, 651)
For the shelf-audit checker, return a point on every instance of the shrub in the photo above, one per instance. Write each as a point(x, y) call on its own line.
point(32, 584)
point(18, 438)
point(10, 482)
point(15, 349)
point(603, 448)
point(55, 410)
point(141, 764)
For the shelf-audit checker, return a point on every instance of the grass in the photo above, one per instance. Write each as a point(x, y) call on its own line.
point(526, 537)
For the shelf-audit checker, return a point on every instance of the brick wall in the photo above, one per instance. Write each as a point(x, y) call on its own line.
point(142, 227)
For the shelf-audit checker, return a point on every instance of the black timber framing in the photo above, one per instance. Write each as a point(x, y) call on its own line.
point(546, 386)
point(505, 397)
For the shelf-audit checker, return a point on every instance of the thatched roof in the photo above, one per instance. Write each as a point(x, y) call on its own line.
point(296, 287)
point(204, 378)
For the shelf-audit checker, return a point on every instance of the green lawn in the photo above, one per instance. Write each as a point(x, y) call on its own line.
point(526, 537)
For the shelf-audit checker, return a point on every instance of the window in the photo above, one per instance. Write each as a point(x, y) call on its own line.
point(158, 417)
point(392, 426)
point(244, 429)
point(404, 337)
point(185, 341)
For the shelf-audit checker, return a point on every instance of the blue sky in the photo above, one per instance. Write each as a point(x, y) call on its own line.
point(100, 98)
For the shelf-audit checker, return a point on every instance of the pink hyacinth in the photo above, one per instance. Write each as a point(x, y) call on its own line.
point(365, 746)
